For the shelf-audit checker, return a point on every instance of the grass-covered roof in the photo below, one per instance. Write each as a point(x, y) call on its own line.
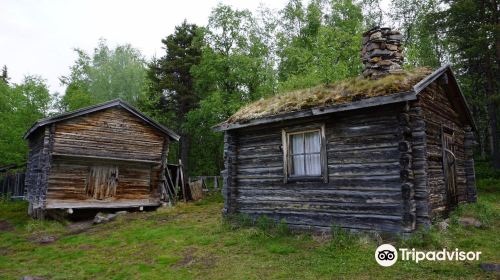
point(330, 94)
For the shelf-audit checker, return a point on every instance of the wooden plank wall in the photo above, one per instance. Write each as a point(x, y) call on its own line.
point(68, 179)
point(112, 137)
point(112, 133)
point(364, 174)
point(437, 111)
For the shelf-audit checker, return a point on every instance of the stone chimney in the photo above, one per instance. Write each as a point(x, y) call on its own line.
point(382, 52)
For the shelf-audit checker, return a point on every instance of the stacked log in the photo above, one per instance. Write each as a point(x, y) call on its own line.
point(382, 52)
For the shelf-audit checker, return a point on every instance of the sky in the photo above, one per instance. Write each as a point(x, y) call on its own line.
point(37, 37)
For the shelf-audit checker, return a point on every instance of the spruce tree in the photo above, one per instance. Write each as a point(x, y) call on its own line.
point(172, 85)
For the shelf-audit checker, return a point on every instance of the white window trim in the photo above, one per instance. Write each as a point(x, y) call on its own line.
point(286, 132)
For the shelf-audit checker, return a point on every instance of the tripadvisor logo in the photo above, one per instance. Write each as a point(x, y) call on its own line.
point(387, 255)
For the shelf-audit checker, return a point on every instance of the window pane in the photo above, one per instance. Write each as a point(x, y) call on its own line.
point(313, 165)
point(312, 142)
point(298, 165)
point(297, 143)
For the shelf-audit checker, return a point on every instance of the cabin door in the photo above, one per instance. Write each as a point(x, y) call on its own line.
point(449, 168)
point(102, 182)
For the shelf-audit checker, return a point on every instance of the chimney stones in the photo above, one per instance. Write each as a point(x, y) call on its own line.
point(382, 52)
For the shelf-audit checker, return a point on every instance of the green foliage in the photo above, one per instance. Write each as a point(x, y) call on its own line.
point(323, 45)
point(486, 213)
point(20, 106)
point(264, 223)
point(341, 238)
point(104, 75)
point(170, 91)
point(423, 41)
point(484, 170)
point(425, 238)
point(206, 145)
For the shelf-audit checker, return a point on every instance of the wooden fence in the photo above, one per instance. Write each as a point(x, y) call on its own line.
point(12, 184)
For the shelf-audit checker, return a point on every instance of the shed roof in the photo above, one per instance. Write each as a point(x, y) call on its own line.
point(99, 107)
point(350, 94)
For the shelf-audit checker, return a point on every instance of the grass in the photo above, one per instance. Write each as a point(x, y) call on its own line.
point(329, 94)
point(192, 241)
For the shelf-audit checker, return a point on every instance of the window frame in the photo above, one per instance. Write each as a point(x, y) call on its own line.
point(287, 155)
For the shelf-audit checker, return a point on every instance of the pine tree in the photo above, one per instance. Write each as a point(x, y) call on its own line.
point(172, 85)
point(5, 76)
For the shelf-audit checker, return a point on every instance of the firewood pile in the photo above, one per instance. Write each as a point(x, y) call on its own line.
point(382, 52)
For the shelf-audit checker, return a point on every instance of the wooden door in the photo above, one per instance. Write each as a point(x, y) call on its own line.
point(102, 182)
point(449, 169)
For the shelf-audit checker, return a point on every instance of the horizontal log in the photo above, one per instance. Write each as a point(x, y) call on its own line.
point(355, 221)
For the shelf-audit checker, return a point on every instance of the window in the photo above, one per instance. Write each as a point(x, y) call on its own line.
point(304, 154)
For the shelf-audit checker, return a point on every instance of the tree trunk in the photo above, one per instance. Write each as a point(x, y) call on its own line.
point(495, 76)
point(492, 114)
point(495, 153)
point(184, 149)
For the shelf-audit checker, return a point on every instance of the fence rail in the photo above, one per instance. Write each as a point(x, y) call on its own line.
point(12, 184)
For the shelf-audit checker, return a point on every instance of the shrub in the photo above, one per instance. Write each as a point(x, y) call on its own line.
point(264, 223)
point(341, 238)
point(424, 238)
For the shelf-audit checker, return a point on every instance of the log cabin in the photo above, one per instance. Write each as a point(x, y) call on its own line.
point(388, 151)
point(105, 156)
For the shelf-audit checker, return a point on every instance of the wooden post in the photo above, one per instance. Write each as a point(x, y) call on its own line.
point(216, 182)
point(170, 185)
point(181, 172)
point(470, 174)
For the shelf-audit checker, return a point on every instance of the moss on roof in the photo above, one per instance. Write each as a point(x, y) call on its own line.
point(330, 94)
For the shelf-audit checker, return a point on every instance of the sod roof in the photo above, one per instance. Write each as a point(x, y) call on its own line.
point(346, 91)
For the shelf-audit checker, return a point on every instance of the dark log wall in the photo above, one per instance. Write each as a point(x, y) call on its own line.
point(437, 111)
point(112, 138)
point(365, 176)
point(419, 165)
point(37, 169)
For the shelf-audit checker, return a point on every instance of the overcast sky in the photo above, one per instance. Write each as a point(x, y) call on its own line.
point(38, 36)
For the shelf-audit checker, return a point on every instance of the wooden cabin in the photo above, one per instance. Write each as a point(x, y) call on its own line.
point(390, 162)
point(105, 156)
point(387, 152)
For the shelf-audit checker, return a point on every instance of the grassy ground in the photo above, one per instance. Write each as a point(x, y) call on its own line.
point(191, 241)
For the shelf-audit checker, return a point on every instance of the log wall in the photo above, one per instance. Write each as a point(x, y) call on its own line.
point(438, 112)
point(37, 169)
point(368, 188)
point(113, 133)
point(62, 157)
point(419, 165)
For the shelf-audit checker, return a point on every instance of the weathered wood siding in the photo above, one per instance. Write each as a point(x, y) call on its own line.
point(38, 167)
point(419, 165)
point(113, 133)
point(112, 138)
point(437, 111)
point(69, 176)
point(365, 176)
